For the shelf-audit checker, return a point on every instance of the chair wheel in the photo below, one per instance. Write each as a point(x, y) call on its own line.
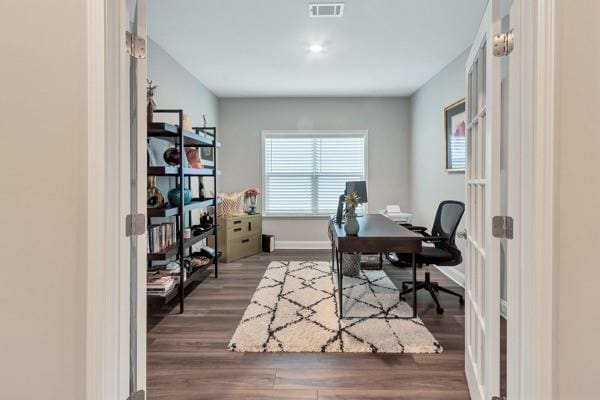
point(461, 301)
point(440, 310)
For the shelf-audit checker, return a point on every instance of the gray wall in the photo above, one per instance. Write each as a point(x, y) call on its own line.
point(43, 170)
point(577, 201)
point(241, 122)
point(178, 88)
point(430, 183)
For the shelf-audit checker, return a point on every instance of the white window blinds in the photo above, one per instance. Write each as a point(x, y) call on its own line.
point(304, 173)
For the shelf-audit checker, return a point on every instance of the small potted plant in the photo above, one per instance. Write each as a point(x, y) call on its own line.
point(351, 226)
point(250, 196)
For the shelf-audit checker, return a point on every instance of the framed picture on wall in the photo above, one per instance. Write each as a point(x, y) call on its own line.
point(208, 156)
point(455, 118)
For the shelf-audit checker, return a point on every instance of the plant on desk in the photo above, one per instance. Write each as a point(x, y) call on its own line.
point(351, 227)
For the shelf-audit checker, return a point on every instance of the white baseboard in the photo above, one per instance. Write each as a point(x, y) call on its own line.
point(302, 245)
point(451, 272)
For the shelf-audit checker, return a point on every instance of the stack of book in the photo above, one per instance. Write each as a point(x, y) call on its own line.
point(159, 284)
point(161, 236)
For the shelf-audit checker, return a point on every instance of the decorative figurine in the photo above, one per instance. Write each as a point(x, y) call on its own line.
point(155, 198)
point(151, 104)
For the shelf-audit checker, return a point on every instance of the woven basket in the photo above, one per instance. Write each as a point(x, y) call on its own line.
point(351, 264)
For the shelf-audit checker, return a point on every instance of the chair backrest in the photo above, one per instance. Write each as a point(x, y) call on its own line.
point(447, 218)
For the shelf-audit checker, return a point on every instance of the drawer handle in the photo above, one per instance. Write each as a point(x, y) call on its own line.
point(237, 222)
point(245, 240)
point(249, 226)
point(237, 229)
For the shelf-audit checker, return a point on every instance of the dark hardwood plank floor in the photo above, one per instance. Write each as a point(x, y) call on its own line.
point(188, 358)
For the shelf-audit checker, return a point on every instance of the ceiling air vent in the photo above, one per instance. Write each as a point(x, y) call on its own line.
point(326, 10)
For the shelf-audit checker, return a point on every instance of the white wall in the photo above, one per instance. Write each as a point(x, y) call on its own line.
point(241, 122)
point(43, 169)
point(430, 183)
point(577, 270)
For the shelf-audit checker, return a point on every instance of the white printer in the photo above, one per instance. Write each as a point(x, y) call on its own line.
point(394, 213)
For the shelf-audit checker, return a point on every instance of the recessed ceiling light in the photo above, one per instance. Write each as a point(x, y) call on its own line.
point(316, 48)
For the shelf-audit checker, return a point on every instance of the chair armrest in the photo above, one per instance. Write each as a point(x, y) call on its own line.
point(420, 229)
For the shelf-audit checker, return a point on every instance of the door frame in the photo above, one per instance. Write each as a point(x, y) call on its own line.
point(104, 353)
point(535, 336)
point(531, 340)
point(108, 201)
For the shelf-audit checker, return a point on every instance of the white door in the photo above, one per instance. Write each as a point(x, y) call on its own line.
point(482, 312)
point(133, 192)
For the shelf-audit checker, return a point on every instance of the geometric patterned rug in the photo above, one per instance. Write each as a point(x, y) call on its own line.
point(294, 309)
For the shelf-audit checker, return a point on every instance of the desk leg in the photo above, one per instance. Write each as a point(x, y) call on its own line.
point(414, 285)
point(332, 255)
point(337, 259)
point(340, 283)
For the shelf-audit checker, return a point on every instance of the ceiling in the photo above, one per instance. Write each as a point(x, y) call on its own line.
point(259, 48)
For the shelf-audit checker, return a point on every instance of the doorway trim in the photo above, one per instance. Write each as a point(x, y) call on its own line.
point(96, 385)
point(103, 308)
point(107, 310)
point(530, 362)
point(538, 283)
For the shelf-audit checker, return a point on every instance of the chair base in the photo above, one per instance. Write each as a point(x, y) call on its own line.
point(432, 288)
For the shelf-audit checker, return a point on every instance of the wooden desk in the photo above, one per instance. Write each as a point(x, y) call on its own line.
point(377, 234)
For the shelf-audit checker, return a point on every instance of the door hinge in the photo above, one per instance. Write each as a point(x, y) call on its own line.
point(135, 45)
point(139, 395)
point(135, 224)
point(502, 227)
point(504, 43)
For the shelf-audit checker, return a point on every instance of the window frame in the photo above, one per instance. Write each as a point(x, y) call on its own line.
point(364, 133)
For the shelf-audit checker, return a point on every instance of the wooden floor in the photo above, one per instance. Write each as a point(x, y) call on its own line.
point(188, 359)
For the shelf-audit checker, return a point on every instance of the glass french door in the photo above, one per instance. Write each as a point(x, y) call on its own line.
point(482, 286)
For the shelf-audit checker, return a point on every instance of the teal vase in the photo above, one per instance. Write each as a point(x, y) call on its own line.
point(174, 196)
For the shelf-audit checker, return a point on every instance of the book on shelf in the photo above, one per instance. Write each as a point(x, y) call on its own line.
point(158, 284)
point(161, 237)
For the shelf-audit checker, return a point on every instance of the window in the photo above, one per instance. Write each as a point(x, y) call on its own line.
point(305, 173)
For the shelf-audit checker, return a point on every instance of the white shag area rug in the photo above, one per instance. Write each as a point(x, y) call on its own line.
point(294, 309)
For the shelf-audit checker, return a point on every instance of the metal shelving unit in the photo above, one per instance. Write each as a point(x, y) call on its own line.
point(199, 137)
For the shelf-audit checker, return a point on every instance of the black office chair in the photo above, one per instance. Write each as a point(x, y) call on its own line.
point(443, 253)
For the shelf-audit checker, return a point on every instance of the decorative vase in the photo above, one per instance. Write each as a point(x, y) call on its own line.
point(351, 264)
point(193, 157)
point(174, 196)
point(351, 227)
point(187, 122)
point(252, 205)
point(155, 198)
point(172, 156)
